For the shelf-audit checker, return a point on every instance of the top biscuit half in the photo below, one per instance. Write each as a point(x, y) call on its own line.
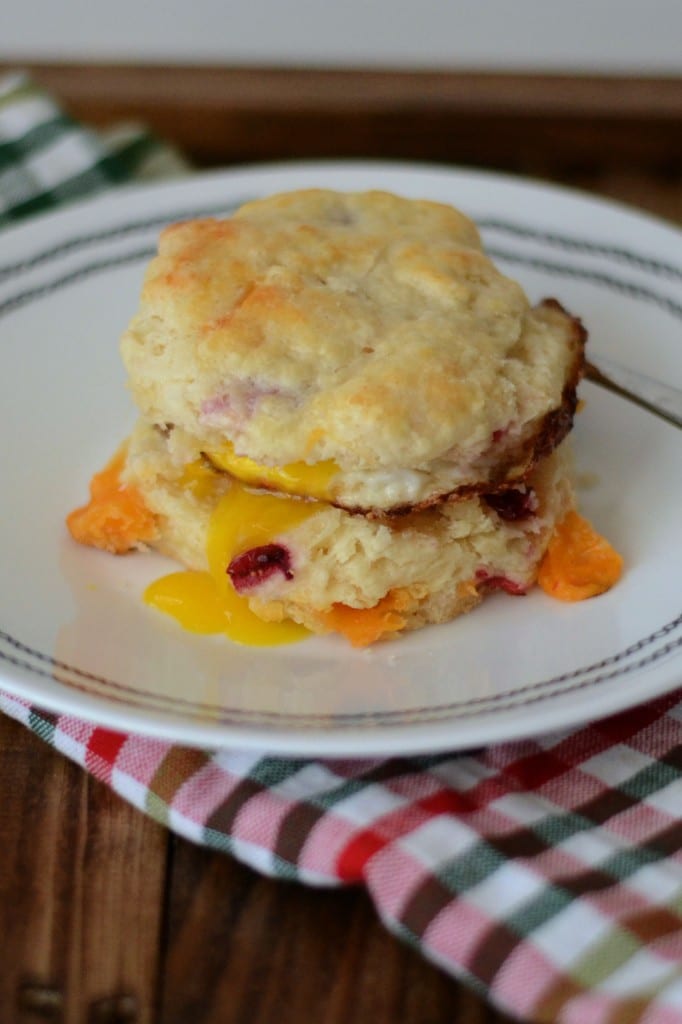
point(355, 347)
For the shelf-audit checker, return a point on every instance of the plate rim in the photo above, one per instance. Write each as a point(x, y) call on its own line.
point(118, 202)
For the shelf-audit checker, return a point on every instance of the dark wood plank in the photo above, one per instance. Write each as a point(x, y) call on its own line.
point(661, 196)
point(220, 115)
point(82, 900)
point(81, 893)
point(81, 897)
point(246, 950)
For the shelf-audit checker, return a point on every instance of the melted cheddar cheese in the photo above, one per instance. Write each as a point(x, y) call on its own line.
point(578, 563)
point(364, 626)
point(115, 518)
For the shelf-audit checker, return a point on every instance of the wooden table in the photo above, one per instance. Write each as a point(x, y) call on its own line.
point(105, 917)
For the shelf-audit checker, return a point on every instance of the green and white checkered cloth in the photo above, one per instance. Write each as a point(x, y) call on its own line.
point(47, 159)
point(544, 873)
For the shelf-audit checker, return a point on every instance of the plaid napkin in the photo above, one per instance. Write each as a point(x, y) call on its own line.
point(48, 159)
point(547, 873)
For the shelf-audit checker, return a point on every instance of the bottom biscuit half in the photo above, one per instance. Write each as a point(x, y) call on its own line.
point(291, 559)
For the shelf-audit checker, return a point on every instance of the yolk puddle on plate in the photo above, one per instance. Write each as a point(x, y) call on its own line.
point(206, 602)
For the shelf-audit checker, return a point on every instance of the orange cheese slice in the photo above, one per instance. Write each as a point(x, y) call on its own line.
point(578, 563)
point(364, 626)
point(115, 518)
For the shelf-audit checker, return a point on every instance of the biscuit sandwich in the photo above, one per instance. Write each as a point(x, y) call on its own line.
point(350, 420)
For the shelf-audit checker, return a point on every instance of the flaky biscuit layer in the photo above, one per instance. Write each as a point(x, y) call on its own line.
point(444, 559)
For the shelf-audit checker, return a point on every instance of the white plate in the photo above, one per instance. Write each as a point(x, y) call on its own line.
point(76, 637)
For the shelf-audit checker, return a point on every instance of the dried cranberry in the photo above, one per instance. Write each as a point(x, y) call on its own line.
point(500, 583)
point(257, 565)
point(513, 505)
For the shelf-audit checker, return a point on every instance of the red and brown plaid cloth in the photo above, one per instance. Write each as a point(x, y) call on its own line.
point(547, 873)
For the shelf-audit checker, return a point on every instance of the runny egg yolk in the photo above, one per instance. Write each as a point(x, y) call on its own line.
point(312, 481)
point(206, 602)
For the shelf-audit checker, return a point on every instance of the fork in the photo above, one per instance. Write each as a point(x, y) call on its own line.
point(661, 399)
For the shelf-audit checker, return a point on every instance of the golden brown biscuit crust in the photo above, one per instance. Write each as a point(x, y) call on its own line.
point(366, 329)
